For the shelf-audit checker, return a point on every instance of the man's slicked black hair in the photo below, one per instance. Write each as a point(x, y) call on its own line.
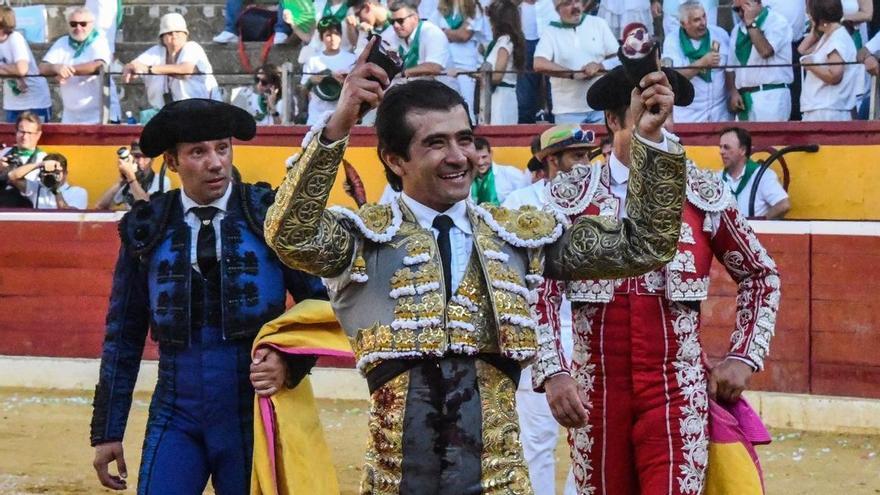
point(394, 131)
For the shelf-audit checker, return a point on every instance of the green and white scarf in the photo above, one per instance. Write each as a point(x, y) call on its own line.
point(411, 57)
point(694, 54)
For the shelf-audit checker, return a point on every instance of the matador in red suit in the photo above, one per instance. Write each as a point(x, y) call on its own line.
point(635, 395)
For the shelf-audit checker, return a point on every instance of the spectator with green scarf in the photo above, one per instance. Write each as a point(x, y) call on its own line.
point(759, 86)
point(494, 182)
point(421, 44)
point(76, 59)
point(739, 174)
point(701, 48)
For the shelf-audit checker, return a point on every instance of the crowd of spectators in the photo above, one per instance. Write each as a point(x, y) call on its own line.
point(545, 54)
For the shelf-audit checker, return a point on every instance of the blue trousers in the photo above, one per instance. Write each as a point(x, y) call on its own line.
point(201, 419)
point(528, 88)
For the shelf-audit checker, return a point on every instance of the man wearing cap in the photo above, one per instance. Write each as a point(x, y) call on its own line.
point(574, 52)
point(175, 69)
point(636, 395)
point(434, 289)
point(559, 149)
point(137, 180)
point(194, 268)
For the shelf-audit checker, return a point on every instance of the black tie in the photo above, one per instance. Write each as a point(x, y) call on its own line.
point(206, 247)
point(443, 224)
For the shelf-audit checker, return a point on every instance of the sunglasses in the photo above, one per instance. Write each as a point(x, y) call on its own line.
point(583, 136)
point(400, 20)
point(262, 82)
point(74, 24)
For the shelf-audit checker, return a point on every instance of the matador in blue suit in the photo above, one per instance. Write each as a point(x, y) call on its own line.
point(194, 268)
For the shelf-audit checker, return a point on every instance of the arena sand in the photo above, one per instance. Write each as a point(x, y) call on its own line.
point(44, 449)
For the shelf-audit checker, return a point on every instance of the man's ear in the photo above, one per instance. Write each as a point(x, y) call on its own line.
point(393, 161)
point(170, 161)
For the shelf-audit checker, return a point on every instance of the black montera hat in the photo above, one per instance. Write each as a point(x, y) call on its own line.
point(613, 90)
point(195, 120)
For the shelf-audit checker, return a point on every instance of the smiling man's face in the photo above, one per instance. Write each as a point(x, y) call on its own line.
point(442, 158)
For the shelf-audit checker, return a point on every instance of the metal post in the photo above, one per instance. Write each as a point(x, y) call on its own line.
point(485, 93)
point(873, 103)
point(103, 74)
point(286, 78)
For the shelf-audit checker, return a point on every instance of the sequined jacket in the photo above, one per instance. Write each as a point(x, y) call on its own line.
point(151, 289)
point(392, 304)
point(710, 225)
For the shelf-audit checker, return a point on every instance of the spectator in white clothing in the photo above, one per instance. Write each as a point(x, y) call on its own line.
point(829, 91)
point(324, 73)
point(137, 181)
point(506, 54)
point(50, 190)
point(420, 43)
point(463, 24)
point(759, 89)
point(494, 182)
point(620, 13)
point(771, 200)
point(668, 10)
point(76, 59)
point(575, 52)
point(20, 93)
point(175, 69)
point(701, 48)
point(266, 103)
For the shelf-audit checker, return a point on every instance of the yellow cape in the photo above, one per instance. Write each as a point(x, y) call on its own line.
point(290, 454)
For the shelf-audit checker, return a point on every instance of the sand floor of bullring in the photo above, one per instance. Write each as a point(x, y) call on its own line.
point(44, 449)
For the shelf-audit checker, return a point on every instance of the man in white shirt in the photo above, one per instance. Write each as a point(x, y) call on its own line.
point(420, 43)
point(620, 13)
point(668, 9)
point(23, 93)
point(700, 47)
point(759, 89)
point(494, 182)
point(771, 200)
point(137, 181)
point(175, 69)
point(49, 190)
point(574, 52)
point(76, 60)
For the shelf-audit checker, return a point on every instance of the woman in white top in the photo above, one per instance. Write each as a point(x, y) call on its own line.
point(463, 24)
point(20, 93)
point(829, 91)
point(506, 53)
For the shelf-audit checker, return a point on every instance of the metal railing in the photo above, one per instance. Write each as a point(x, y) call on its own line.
point(290, 78)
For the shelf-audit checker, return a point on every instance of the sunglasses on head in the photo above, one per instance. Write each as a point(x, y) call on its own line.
point(401, 20)
point(583, 136)
point(74, 24)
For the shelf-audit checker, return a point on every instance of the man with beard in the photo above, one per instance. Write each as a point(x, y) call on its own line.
point(434, 290)
point(635, 396)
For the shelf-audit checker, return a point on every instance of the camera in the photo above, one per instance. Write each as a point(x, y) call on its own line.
point(13, 161)
point(50, 176)
point(123, 153)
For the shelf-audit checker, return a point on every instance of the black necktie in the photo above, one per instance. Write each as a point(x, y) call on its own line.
point(443, 224)
point(206, 247)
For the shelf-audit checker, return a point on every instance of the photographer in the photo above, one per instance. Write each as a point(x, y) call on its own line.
point(50, 190)
point(137, 180)
point(28, 129)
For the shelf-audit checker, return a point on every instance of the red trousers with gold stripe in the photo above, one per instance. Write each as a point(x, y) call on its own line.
point(639, 361)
